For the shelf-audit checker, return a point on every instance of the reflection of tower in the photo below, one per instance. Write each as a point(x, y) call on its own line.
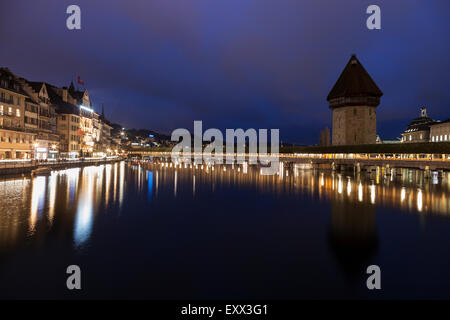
point(353, 235)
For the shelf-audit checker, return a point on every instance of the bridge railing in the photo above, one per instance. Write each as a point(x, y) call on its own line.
point(18, 163)
point(332, 156)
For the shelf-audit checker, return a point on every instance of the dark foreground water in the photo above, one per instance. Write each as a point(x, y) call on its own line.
point(162, 233)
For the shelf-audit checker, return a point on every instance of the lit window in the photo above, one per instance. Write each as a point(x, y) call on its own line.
point(445, 137)
point(420, 137)
point(9, 111)
point(432, 138)
point(441, 138)
point(17, 112)
point(1, 110)
point(410, 138)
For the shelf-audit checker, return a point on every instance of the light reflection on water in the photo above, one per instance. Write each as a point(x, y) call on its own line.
point(73, 203)
point(94, 186)
point(72, 194)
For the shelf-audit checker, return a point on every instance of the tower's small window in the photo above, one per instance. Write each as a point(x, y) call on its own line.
point(354, 112)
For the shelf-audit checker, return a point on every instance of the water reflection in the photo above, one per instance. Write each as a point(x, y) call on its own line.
point(69, 200)
point(37, 201)
point(352, 234)
point(84, 215)
point(403, 189)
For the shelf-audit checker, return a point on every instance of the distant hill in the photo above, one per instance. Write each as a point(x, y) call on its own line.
point(143, 133)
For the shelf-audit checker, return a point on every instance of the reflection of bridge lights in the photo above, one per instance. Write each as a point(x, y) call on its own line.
point(419, 200)
point(402, 194)
point(175, 184)
point(281, 170)
point(360, 192)
point(435, 178)
point(340, 186)
point(372, 194)
point(121, 181)
point(349, 187)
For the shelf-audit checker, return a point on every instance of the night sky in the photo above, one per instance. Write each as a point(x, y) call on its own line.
point(161, 64)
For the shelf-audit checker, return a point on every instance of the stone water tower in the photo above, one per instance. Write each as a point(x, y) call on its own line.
point(353, 101)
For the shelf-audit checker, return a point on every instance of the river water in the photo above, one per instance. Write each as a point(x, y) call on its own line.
point(227, 232)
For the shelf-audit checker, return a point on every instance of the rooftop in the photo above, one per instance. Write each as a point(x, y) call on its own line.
point(354, 81)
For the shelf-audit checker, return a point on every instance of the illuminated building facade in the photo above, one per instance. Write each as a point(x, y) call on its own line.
point(41, 121)
point(88, 117)
point(353, 101)
point(16, 141)
point(440, 131)
point(419, 129)
point(40, 116)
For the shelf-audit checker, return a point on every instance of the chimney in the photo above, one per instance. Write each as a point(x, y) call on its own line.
point(64, 94)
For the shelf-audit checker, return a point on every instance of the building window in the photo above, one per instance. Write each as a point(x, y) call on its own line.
point(18, 113)
point(354, 111)
point(432, 138)
point(9, 111)
point(1, 110)
point(445, 137)
point(410, 138)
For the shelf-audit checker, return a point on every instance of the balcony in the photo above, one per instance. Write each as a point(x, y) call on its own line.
point(9, 101)
point(355, 101)
point(12, 128)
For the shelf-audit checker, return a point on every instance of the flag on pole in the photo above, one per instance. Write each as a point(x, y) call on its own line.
point(80, 81)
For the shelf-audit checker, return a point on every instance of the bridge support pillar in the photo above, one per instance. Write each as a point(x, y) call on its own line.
point(427, 172)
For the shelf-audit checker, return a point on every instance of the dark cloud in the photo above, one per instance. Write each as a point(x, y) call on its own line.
point(249, 63)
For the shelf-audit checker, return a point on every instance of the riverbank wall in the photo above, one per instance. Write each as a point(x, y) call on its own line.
point(19, 168)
